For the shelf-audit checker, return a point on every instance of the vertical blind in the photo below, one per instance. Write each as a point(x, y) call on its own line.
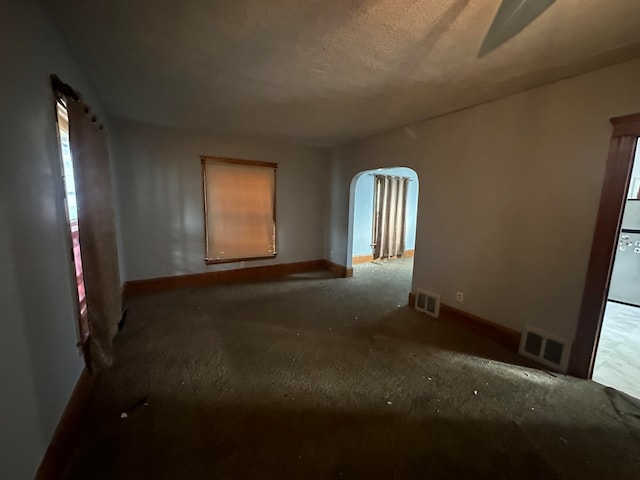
point(239, 210)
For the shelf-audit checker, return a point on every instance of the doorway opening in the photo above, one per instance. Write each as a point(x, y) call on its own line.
point(617, 362)
point(606, 238)
point(71, 207)
point(382, 226)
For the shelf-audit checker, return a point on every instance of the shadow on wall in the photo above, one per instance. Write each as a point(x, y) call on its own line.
point(361, 210)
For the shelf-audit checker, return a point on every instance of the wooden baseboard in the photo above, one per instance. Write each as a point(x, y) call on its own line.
point(68, 433)
point(358, 259)
point(412, 300)
point(503, 335)
point(339, 270)
point(155, 285)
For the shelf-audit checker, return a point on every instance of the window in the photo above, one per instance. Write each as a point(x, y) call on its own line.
point(87, 183)
point(72, 216)
point(239, 209)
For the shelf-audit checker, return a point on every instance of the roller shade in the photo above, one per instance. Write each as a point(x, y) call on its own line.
point(239, 210)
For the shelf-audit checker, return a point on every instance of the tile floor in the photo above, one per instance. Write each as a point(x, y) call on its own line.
point(618, 358)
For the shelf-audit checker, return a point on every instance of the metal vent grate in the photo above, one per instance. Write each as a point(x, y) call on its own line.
point(428, 303)
point(553, 351)
point(545, 348)
point(421, 301)
point(533, 344)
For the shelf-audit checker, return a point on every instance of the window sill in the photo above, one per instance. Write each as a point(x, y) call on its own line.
point(236, 260)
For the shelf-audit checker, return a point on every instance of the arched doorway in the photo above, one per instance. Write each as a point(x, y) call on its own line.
point(383, 212)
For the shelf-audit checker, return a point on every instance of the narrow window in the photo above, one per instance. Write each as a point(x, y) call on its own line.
point(239, 206)
point(72, 217)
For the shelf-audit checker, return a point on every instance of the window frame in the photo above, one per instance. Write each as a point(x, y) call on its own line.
point(207, 160)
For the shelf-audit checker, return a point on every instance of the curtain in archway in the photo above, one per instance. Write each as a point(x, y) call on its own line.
point(389, 221)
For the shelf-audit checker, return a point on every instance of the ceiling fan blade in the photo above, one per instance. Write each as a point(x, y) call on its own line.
point(513, 16)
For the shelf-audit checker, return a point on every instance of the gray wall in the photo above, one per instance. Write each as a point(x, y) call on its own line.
point(39, 362)
point(159, 180)
point(509, 192)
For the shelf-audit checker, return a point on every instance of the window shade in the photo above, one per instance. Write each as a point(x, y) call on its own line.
point(239, 210)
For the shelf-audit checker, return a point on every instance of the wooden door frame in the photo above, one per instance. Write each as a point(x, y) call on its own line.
point(596, 289)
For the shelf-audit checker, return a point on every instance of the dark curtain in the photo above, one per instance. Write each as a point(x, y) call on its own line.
point(97, 233)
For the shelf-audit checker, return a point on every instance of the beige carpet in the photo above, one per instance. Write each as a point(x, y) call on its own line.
point(312, 377)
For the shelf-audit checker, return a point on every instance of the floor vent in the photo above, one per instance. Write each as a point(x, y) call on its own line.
point(544, 348)
point(428, 303)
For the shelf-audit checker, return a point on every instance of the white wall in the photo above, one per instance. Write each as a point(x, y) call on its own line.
point(39, 362)
point(509, 193)
point(159, 180)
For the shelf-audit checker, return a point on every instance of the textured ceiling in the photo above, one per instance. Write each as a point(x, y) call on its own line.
point(325, 72)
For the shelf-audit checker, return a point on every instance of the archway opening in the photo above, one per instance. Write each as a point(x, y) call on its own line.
point(382, 222)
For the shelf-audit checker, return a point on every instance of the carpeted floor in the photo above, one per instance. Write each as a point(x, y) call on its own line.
point(312, 377)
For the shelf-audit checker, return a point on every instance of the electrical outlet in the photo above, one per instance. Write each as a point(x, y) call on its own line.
point(242, 264)
point(459, 297)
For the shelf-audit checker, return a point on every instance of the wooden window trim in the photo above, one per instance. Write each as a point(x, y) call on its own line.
point(237, 161)
point(204, 161)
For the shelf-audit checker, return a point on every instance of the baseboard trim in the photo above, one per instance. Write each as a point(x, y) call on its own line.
point(339, 270)
point(359, 259)
point(162, 284)
point(503, 335)
point(67, 434)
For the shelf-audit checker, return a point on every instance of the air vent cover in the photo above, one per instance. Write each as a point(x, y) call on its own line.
point(533, 344)
point(545, 348)
point(553, 351)
point(428, 303)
